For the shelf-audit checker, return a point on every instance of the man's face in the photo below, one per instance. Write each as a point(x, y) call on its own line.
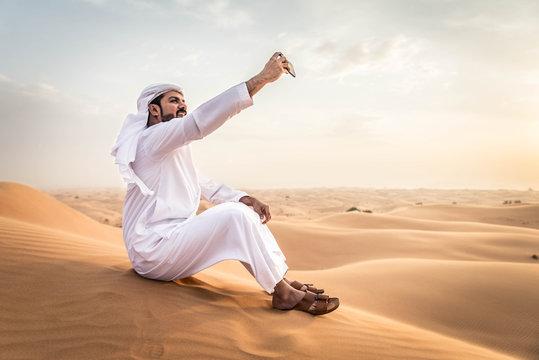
point(172, 106)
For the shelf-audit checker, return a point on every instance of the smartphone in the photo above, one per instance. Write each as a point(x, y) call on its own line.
point(291, 71)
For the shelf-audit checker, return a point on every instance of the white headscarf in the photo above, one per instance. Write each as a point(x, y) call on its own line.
point(125, 148)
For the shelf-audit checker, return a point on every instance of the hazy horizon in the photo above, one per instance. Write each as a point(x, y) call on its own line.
point(389, 94)
point(123, 187)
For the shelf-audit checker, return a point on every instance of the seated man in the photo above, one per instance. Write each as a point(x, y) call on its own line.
point(164, 237)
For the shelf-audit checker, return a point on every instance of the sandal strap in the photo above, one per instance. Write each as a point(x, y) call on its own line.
point(313, 289)
point(306, 287)
point(320, 305)
point(322, 297)
point(296, 285)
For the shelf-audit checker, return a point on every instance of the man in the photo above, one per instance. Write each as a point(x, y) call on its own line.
point(164, 237)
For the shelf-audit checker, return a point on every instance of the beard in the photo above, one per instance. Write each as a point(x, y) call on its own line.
point(170, 116)
point(167, 117)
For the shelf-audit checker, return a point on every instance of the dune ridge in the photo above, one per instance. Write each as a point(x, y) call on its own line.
point(525, 215)
point(410, 289)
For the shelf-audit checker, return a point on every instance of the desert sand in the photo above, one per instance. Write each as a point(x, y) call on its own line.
point(453, 278)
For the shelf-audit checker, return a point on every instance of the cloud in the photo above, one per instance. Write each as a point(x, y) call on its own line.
point(47, 134)
point(35, 109)
point(192, 59)
point(326, 48)
point(96, 2)
point(221, 13)
point(41, 91)
point(353, 127)
point(489, 23)
point(136, 4)
point(336, 60)
point(225, 15)
point(184, 2)
point(528, 76)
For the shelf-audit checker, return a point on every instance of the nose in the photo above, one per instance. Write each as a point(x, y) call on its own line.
point(182, 106)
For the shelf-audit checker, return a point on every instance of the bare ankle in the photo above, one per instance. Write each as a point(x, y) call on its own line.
point(286, 299)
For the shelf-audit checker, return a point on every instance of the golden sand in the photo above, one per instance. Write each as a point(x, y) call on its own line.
point(432, 281)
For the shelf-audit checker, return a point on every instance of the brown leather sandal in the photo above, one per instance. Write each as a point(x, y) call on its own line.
point(316, 304)
point(306, 287)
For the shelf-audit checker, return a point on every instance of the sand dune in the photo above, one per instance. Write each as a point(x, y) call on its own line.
point(412, 286)
point(27, 204)
point(490, 303)
point(105, 204)
point(514, 215)
point(347, 238)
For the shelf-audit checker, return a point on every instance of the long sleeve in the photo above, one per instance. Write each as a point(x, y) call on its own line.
point(162, 138)
point(217, 193)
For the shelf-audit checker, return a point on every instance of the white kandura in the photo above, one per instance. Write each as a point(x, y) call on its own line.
point(164, 237)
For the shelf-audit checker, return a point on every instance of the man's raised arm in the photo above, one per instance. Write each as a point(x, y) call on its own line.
point(211, 115)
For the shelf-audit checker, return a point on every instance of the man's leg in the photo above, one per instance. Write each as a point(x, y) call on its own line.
point(233, 231)
point(229, 231)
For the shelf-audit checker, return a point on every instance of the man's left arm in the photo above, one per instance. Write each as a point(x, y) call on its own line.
point(220, 193)
point(217, 193)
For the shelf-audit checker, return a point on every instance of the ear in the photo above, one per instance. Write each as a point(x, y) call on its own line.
point(154, 110)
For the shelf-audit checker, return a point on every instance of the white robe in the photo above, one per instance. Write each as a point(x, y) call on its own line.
point(164, 238)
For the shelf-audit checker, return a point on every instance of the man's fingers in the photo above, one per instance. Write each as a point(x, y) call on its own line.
point(263, 216)
point(276, 55)
point(262, 210)
point(286, 67)
point(267, 213)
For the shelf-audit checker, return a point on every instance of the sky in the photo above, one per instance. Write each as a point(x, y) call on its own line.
point(388, 94)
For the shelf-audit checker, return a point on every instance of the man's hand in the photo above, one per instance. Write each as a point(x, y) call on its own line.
point(274, 68)
point(259, 207)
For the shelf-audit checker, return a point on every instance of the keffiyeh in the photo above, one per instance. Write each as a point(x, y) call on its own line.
point(125, 149)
